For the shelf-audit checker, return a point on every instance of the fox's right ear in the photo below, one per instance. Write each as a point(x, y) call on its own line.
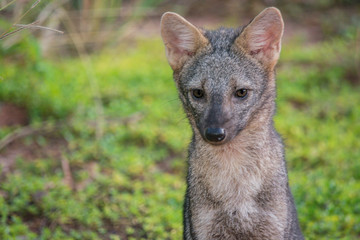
point(182, 39)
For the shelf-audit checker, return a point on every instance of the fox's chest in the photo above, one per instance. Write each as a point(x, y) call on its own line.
point(224, 191)
point(231, 211)
point(242, 222)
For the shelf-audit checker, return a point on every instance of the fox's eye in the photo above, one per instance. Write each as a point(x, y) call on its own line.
point(198, 93)
point(241, 93)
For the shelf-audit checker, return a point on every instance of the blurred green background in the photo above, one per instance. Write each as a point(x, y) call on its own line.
point(93, 140)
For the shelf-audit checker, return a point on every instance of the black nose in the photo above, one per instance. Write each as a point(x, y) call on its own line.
point(215, 134)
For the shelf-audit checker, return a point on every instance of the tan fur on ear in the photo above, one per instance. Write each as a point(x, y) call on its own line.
point(182, 39)
point(261, 38)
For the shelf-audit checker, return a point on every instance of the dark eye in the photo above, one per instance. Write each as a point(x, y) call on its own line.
point(198, 93)
point(241, 93)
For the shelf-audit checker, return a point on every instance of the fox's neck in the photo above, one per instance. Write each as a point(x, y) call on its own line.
point(236, 171)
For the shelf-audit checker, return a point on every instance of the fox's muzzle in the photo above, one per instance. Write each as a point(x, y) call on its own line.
point(215, 135)
point(214, 126)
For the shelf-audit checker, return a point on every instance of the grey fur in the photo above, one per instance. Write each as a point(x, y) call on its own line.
point(237, 189)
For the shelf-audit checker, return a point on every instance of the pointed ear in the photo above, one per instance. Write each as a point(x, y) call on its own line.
point(182, 39)
point(261, 38)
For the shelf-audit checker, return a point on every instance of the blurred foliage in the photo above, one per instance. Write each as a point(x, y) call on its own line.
point(95, 24)
point(129, 183)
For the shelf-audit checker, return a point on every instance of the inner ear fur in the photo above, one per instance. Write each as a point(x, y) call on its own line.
point(182, 39)
point(261, 38)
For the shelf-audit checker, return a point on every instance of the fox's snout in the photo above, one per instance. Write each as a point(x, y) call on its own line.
point(217, 124)
point(215, 135)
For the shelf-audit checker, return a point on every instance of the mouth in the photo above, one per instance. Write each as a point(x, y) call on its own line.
point(216, 143)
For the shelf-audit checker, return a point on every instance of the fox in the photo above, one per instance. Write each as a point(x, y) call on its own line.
point(237, 180)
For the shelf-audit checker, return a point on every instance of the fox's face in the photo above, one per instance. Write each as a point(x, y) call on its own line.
point(220, 93)
point(224, 77)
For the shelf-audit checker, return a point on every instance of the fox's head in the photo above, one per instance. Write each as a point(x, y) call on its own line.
point(225, 77)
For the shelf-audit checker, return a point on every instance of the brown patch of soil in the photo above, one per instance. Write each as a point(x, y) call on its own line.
point(165, 165)
point(353, 77)
point(20, 149)
point(11, 115)
point(298, 104)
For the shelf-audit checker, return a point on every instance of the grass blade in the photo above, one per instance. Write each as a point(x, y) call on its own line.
point(11, 2)
point(38, 26)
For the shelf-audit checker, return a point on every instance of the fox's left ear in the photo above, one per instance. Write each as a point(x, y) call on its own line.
point(261, 38)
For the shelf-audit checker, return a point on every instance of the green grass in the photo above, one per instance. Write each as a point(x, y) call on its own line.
point(130, 182)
